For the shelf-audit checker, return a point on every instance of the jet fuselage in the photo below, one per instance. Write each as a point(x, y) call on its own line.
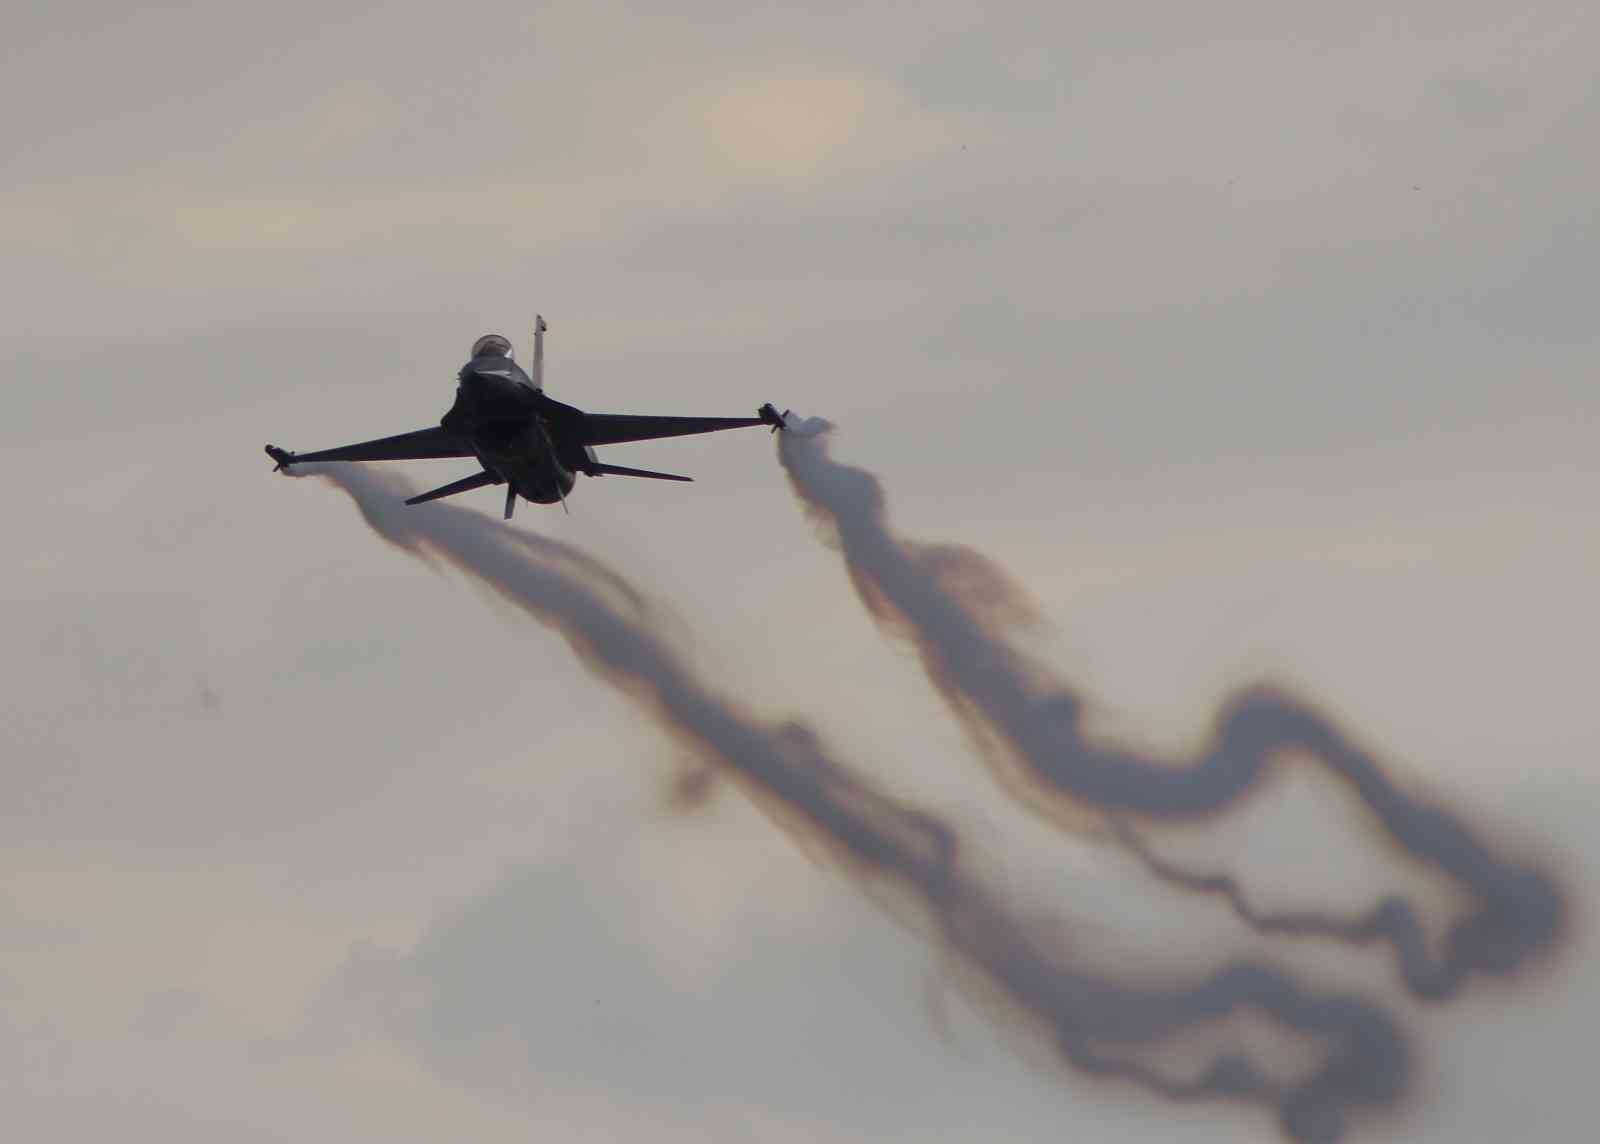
point(496, 410)
point(524, 440)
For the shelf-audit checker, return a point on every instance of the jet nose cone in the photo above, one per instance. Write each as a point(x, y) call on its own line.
point(491, 376)
point(483, 386)
point(494, 393)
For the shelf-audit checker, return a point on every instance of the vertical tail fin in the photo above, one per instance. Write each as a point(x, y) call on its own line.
point(538, 350)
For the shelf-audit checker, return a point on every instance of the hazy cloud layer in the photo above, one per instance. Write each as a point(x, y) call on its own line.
point(1254, 341)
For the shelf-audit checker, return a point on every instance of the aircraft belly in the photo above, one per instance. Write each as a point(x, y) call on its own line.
point(535, 475)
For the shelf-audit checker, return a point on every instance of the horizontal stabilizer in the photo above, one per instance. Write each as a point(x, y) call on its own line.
point(596, 469)
point(476, 481)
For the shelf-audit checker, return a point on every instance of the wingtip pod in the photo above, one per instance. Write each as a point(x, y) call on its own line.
point(770, 416)
point(283, 457)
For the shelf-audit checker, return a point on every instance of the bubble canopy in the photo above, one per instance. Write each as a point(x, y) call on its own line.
point(491, 345)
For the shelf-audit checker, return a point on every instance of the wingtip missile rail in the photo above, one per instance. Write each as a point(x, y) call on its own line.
point(283, 457)
point(770, 416)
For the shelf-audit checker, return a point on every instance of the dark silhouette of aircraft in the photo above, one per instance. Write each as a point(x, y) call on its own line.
point(524, 440)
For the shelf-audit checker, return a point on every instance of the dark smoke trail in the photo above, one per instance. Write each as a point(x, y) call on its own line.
point(1391, 919)
point(937, 597)
point(1101, 1026)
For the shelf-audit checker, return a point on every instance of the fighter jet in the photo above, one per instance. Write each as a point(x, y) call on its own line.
point(522, 438)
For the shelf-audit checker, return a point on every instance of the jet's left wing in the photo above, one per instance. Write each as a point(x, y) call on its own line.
point(424, 444)
point(616, 428)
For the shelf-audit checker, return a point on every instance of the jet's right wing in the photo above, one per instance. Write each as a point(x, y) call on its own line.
point(616, 428)
point(424, 444)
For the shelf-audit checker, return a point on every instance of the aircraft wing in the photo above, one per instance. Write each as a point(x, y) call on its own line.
point(616, 428)
point(424, 444)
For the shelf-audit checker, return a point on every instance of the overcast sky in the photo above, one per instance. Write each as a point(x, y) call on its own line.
point(1255, 341)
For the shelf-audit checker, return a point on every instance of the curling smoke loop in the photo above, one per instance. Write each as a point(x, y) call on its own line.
point(1518, 912)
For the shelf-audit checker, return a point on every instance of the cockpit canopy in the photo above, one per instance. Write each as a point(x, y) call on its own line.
point(491, 345)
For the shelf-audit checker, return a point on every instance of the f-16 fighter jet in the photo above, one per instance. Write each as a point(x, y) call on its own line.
point(530, 443)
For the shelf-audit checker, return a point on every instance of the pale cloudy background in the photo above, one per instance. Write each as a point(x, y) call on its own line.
point(1256, 340)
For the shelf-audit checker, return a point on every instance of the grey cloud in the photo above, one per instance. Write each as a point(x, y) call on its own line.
point(1549, 299)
